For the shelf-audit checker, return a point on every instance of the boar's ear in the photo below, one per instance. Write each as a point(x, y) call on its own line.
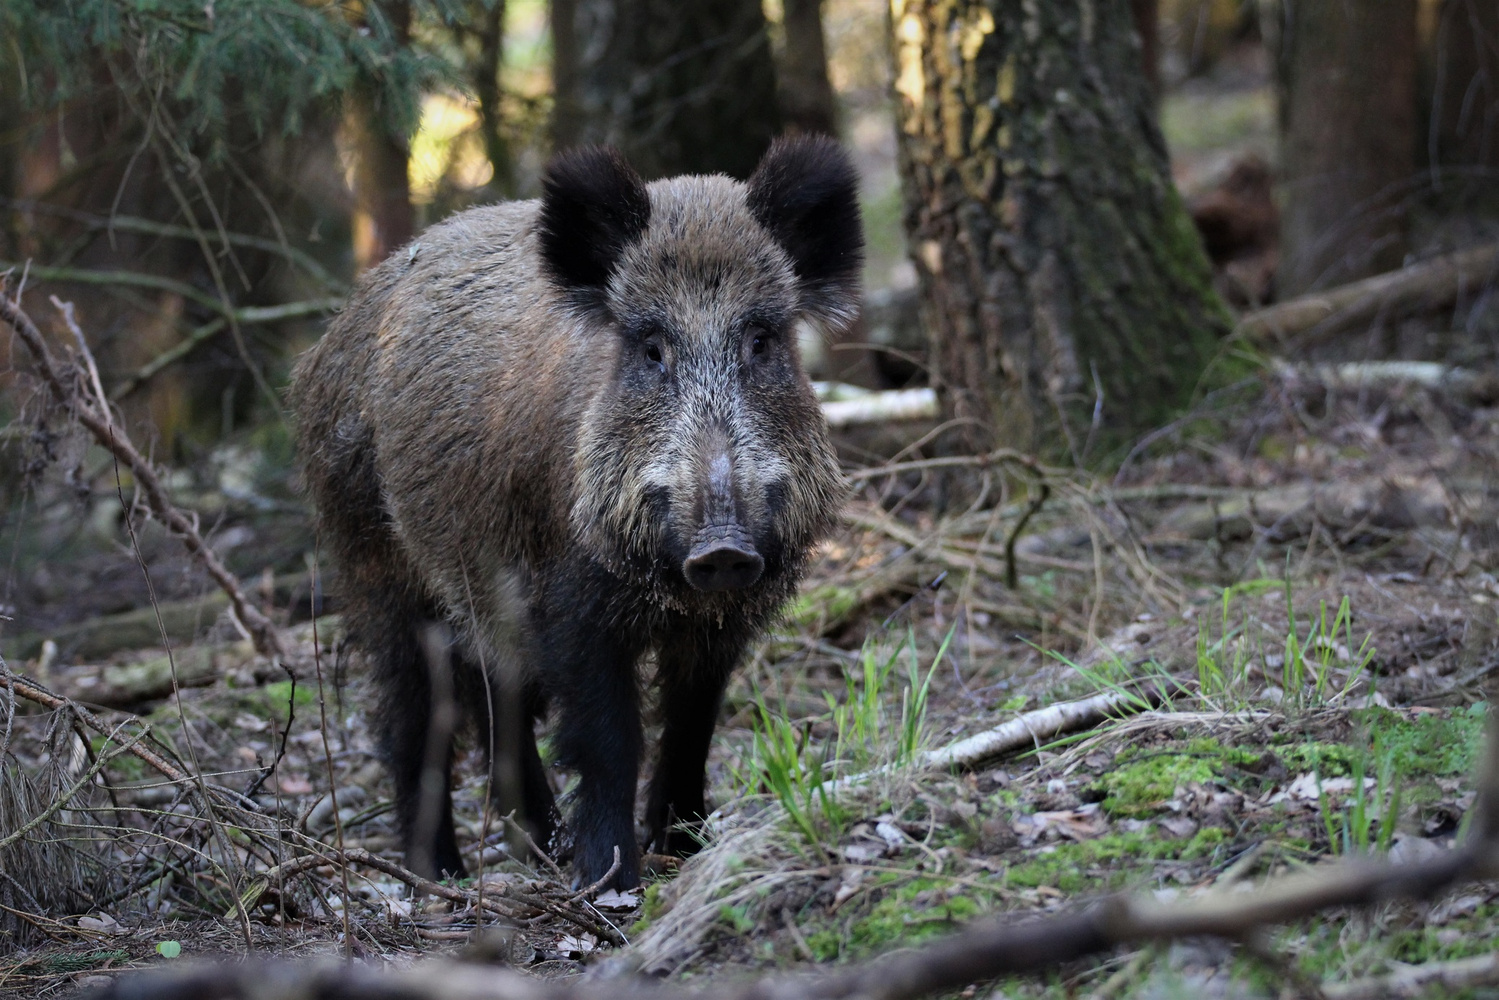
point(593, 206)
point(806, 192)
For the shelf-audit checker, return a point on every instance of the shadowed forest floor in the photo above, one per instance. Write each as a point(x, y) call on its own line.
point(1310, 576)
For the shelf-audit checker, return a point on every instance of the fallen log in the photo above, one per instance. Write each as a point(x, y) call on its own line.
point(119, 685)
point(183, 622)
point(1429, 284)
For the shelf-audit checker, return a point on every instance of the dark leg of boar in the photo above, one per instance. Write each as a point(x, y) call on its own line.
point(591, 670)
point(415, 730)
point(693, 673)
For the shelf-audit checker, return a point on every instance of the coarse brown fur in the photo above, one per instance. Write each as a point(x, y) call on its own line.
point(523, 432)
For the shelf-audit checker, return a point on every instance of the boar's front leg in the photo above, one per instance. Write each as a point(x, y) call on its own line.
point(693, 671)
point(591, 674)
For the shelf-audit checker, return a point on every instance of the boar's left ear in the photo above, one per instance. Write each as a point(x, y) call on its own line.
point(593, 206)
point(806, 193)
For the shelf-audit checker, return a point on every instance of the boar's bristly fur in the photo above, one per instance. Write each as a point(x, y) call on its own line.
point(554, 439)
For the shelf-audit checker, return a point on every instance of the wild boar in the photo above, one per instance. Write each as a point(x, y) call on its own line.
point(553, 443)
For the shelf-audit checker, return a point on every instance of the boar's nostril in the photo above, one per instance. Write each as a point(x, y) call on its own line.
point(723, 565)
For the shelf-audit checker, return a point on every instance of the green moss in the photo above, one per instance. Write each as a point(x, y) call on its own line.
point(1327, 760)
point(1426, 745)
point(271, 701)
point(914, 910)
point(1143, 782)
point(1071, 866)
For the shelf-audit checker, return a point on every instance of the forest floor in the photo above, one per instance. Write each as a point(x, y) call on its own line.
point(1308, 574)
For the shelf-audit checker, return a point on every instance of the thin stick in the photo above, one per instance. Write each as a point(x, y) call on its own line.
point(94, 415)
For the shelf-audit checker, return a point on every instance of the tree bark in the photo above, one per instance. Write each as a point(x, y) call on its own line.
point(383, 217)
point(1348, 140)
point(679, 86)
point(1058, 267)
point(1147, 14)
point(491, 95)
point(807, 99)
point(567, 123)
point(1464, 124)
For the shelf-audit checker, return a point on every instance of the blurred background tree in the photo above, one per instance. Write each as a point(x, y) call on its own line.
point(206, 180)
point(678, 86)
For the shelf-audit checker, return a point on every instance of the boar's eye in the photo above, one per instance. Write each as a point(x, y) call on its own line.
point(654, 356)
point(760, 340)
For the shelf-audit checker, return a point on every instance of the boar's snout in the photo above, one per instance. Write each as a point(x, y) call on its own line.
point(723, 559)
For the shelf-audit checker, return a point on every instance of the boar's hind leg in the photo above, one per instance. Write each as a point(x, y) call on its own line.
point(518, 781)
point(415, 720)
point(693, 677)
point(591, 676)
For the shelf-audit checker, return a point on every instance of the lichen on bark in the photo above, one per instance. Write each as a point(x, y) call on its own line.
point(1061, 275)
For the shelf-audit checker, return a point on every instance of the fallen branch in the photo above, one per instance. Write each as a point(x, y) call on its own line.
point(1430, 284)
point(1034, 728)
point(881, 407)
point(1463, 384)
point(77, 390)
point(183, 621)
point(36, 693)
point(1414, 980)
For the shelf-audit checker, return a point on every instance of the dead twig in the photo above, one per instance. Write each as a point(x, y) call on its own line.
point(504, 900)
point(78, 392)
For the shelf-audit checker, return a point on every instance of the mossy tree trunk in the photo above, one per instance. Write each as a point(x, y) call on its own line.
point(1062, 280)
point(680, 86)
point(1348, 139)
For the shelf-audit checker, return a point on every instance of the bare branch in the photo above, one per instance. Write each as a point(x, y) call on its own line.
point(91, 409)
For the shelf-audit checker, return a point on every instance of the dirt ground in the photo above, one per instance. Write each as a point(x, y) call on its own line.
point(1309, 573)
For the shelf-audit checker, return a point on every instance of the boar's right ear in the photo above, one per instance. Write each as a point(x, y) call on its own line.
point(593, 206)
point(806, 193)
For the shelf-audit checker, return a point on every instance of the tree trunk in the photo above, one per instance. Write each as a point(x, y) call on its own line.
point(383, 217)
point(567, 122)
point(1061, 277)
point(1464, 127)
point(1349, 139)
point(807, 99)
point(1147, 14)
point(679, 86)
point(490, 94)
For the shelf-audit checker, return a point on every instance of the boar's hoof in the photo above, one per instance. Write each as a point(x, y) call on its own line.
point(723, 564)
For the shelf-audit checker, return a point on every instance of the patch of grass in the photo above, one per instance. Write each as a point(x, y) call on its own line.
point(819, 607)
point(70, 963)
point(868, 732)
point(1325, 946)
